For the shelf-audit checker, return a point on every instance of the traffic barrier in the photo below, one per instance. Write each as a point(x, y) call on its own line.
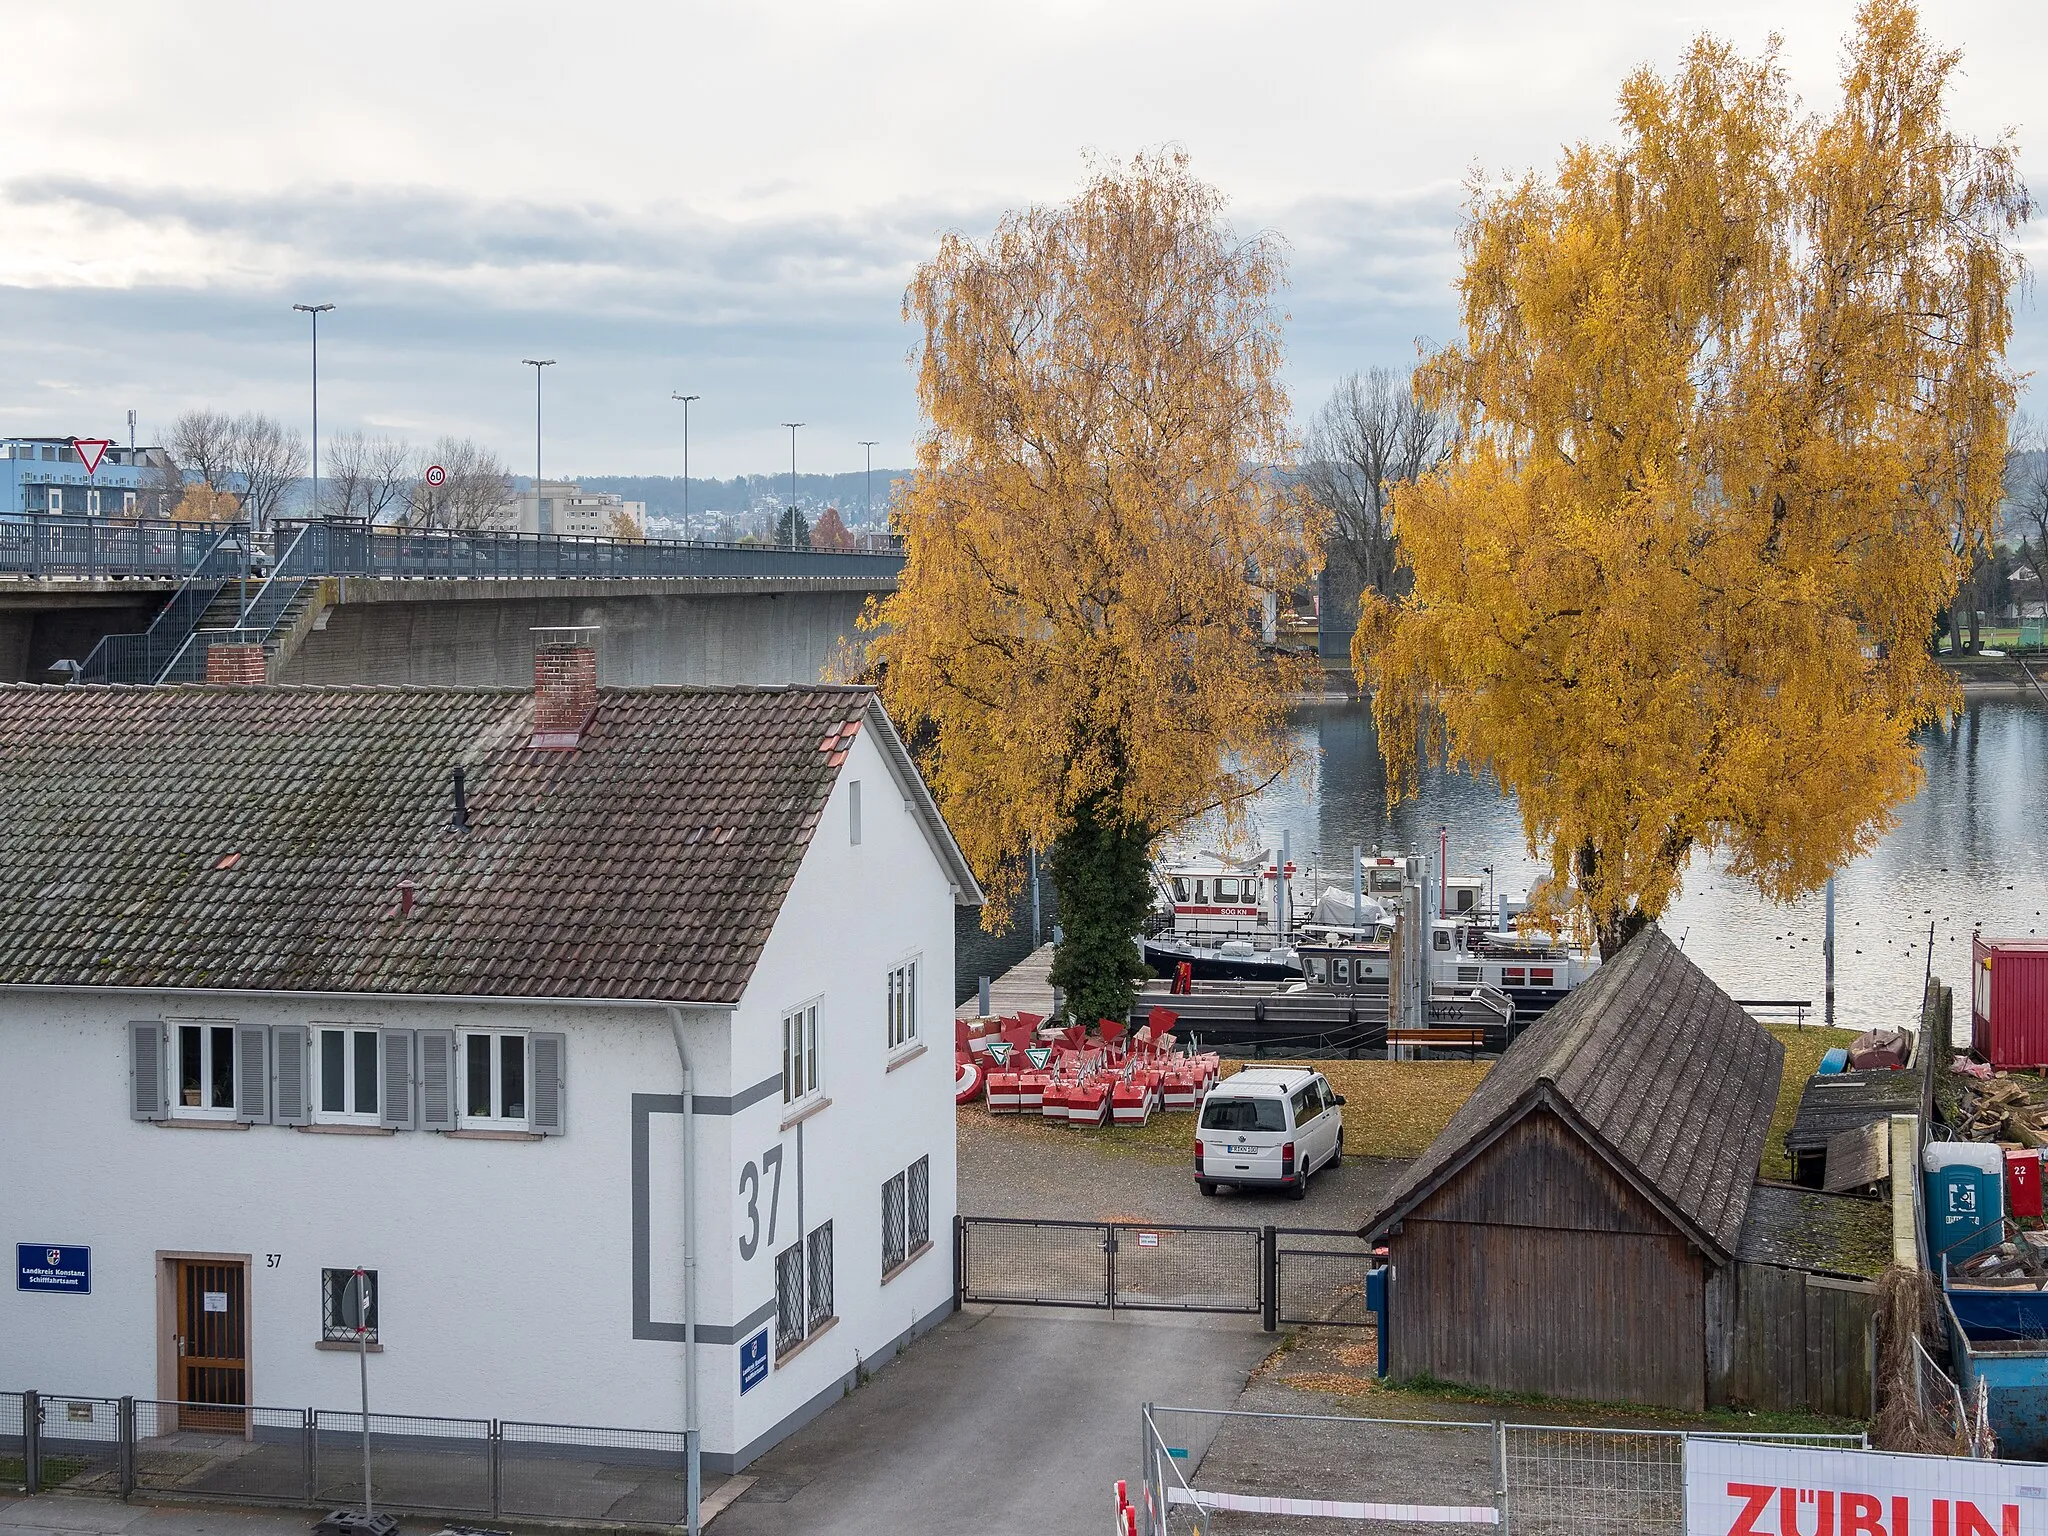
point(967, 1081)
point(1003, 1097)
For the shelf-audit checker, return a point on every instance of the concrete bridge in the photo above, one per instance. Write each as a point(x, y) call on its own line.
point(340, 603)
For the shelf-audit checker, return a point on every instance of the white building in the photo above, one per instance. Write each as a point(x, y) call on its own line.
point(299, 979)
point(563, 506)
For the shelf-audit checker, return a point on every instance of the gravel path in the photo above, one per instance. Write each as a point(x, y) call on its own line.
point(1010, 1166)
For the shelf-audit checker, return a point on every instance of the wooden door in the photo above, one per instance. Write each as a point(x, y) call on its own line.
point(213, 1343)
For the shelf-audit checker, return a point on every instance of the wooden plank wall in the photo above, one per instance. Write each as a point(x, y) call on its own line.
point(1539, 1269)
point(1785, 1341)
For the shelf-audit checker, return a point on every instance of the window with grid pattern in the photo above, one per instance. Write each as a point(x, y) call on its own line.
point(819, 1248)
point(903, 1005)
point(790, 1320)
point(800, 1055)
point(894, 1247)
point(920, 1202)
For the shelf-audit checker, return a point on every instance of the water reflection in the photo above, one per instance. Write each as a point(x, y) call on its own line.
point(1967, 851)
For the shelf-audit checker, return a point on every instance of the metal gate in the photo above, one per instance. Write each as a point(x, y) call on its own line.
point(1110, 1265)
point(1320, 1278)
point(1292, 1276)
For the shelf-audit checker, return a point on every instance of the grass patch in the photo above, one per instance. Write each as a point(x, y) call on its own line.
point(1429, 1388)
point(1392, 1109)
point(57, 1471)
point(1803, 1051)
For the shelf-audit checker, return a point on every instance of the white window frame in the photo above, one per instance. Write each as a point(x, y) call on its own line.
point(128, 501)
point(349, 1062)
point(55, 500)
point(464, 1120)
point(900, 1011)
point(802, 1077)
point(208, 1028)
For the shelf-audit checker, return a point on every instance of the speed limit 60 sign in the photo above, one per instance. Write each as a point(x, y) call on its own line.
point(436, 475)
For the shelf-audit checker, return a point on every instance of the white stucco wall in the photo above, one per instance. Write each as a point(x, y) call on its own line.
point(506, 1267)
point(854, 913)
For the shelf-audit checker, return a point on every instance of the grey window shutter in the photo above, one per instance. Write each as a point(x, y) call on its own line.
point(437, 1079)
point(396, 1098)
point(146, 1069)
point(291, 1064)
point(252, 1073)
point(549, 1109)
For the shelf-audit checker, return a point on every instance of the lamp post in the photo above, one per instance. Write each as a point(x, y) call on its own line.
point(536, 364)
point(792, 425)
point(867, 485)
point(315, 311)
point(686, 399)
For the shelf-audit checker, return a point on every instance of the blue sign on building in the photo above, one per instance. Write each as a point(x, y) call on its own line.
point(52, 1267)
point(753, 1362)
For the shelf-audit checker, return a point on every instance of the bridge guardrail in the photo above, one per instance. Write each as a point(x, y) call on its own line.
point(40, 545)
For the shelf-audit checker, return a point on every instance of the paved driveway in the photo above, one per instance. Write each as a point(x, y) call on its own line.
point(1003, 1419)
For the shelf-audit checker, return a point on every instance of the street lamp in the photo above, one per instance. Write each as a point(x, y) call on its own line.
point(792, 425)
point(686, 399)
point(867, 492)
point(315, 311)
point(536, 364)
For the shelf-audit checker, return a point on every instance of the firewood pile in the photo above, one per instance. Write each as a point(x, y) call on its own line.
point(2007, 1264)
point(2003, 1109)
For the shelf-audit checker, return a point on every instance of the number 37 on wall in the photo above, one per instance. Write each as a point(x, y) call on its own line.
point(751, 1180)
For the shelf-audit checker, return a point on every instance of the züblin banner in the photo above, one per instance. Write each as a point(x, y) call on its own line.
point(1742, 1488)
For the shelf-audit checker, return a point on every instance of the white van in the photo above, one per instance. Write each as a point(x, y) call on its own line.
point(1268, 1125)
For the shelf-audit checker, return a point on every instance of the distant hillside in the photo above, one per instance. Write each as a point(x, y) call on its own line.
point(752, 493)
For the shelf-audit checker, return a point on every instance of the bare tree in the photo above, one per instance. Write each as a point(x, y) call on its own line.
point(203, 444)
point(1368, 437)
point(392, 466)
point(366, 476)
point(2026, 486)
point(477, 485)
point(268, 458)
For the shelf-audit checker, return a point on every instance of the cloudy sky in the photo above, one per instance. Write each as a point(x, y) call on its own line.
point(727, 200)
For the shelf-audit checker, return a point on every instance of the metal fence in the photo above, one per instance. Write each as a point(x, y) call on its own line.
point(1114, 1266)
point(41, 545)
point(1230, 1472)
point(1289, 1275)
point(313, 1458)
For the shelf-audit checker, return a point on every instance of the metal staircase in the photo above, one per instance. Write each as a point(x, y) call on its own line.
point(235, 617)
point(142, 658)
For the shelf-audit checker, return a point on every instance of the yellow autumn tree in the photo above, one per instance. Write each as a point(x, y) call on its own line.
point(1075, 642)
point(1727, 390)
point(622, 524)
point(201, 503)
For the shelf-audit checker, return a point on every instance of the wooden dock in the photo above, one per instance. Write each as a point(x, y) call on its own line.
point(1025, 987)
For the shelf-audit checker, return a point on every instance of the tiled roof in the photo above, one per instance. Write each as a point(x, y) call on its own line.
point(1656, 1066)
point(258, 838)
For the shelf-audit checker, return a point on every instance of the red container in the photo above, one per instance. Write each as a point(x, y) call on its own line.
point(2009, 1001)
point(2022, 1183)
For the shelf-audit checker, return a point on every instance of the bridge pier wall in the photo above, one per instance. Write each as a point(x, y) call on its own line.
point(487, 640)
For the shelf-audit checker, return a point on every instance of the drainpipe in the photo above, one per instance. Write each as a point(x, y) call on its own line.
point(692, 1433)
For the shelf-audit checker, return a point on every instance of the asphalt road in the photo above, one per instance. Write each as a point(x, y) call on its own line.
point(1003, 1419)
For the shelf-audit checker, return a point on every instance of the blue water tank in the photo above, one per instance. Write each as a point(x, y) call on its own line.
point(1834, 1060)
point(1965, 1198)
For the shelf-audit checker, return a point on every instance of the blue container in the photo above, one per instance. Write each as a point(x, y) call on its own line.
point(1835, 1060)
point(1965, 1198)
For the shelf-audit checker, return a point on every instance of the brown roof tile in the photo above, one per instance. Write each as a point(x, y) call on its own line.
point(256, 838)
point(1658, 1066)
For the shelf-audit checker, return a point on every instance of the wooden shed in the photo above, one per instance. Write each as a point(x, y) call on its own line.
point(1563, 1234)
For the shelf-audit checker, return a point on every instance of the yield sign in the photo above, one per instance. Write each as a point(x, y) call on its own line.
point(91, 450)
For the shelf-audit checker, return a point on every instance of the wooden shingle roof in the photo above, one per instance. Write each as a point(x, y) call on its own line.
point(263, 838)
point(1657, 1068)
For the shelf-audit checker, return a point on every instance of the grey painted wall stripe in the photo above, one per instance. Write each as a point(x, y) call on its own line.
point(707, 1105)
point(644, 1325)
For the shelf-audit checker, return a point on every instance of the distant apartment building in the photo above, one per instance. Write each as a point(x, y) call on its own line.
point(47, 474)
point(563, 506)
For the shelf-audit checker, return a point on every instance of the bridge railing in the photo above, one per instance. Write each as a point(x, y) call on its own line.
point(357, 549)
point(41, 544)
point(141, 658)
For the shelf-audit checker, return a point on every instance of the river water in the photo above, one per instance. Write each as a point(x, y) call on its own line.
point(1971, 849)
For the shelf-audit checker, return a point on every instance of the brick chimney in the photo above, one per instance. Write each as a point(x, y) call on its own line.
point(564, 685)
point(243, 665)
